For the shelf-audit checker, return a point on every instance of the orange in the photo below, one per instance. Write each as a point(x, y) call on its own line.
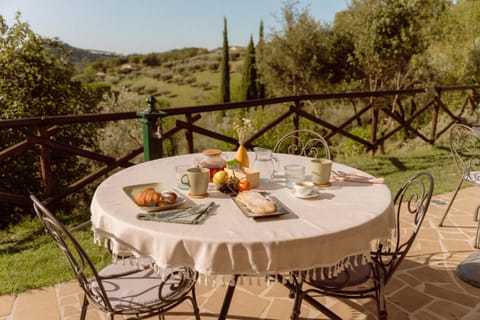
point(243, 185)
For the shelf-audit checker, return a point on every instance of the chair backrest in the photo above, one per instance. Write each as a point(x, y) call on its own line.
point(77, 258)
point(411, 204)
point(303, 142)
point(465, 147)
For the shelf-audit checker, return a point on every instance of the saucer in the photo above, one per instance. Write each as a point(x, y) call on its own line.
point(312, 194)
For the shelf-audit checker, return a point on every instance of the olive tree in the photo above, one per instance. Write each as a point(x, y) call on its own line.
point(36, 80)
point(296, 59)
point(388, 44)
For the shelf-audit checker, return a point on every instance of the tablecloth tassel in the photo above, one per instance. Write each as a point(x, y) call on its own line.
point(348, 263)
point(322, 274)
point(365, 259)
point(241, 281)
point(335, 270)
point(330, 273)
point(250, 281)
point(314, 274)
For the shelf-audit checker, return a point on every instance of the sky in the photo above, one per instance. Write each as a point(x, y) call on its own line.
point(145, 26)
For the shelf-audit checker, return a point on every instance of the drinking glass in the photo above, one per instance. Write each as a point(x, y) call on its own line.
point(293, 173)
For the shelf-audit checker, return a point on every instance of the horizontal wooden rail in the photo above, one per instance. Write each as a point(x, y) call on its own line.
point(373, 108)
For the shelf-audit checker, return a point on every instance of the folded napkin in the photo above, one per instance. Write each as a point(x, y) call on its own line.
point(193, 215)
point(352, 177)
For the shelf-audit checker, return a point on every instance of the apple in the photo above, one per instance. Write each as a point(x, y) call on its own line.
point(220, 177)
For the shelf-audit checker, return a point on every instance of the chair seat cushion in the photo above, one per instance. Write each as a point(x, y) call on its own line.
point(472, 177)
point(140, 290)
point(469, 270)
point(351, 276)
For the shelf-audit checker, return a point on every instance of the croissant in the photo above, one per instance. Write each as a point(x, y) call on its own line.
point(149, 196)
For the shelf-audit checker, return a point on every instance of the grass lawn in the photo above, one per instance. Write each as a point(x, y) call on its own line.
point(29, 259)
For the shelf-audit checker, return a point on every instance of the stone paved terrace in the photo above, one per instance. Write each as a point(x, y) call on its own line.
point(425, 286)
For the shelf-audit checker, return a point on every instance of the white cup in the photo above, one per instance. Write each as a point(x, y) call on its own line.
point(303, 188)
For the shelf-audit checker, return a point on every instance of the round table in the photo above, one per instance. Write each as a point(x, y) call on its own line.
point(318, 232)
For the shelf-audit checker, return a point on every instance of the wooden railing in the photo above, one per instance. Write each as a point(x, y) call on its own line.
point(385, 112)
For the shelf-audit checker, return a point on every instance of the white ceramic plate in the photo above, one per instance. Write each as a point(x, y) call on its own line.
point(313, 194)
point(132, 190)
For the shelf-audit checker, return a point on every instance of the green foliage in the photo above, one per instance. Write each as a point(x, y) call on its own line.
point(225, 67)
point(295, 61)
point(29, 258)
point(36, 80)
point(249, 76)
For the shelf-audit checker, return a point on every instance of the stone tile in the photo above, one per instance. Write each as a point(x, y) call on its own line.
point(450, 295)
point(277, 291)
point(395, 313)
point(448, 309)
point(279, 309)
point(426, 315)
point(6, 305)
point(410, 299)
point(68, 288)
point(459, 245)
point(35, 303)
point(72, 309)
point(432, 275)
point(247, 304)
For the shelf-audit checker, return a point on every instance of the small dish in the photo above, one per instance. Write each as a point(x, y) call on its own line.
point(312, 194)
point(303, 188)
point(132, 190)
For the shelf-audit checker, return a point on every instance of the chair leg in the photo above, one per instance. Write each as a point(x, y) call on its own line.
point(476, 244)
point(451, 202)
point(381, 304)
point(196, 310)
point(297, 302)
point(83, 313)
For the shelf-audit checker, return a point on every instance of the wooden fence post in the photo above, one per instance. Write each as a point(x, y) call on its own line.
point(296, 118)
point(45, 163)
point(374, 128)
point(189, 134)
point(435, 111)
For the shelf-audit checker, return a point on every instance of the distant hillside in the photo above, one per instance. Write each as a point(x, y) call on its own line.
point(83, 57)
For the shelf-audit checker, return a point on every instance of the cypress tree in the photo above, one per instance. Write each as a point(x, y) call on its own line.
point(260, 46)
point(225, 67)
point(249, 79)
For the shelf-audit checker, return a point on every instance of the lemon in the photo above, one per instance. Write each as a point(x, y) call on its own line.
point(220, 177)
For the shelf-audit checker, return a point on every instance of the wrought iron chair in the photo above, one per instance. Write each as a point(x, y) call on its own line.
point(465, 148)
point(120, 288)
point(367, 280)
point(303, 142)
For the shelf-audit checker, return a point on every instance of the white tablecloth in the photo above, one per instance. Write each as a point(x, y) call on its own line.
point(319, 232)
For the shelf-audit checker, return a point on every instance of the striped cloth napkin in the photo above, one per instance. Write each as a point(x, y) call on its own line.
point(192, 215)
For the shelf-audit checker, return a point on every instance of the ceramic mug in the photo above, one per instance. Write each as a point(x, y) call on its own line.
point(321, 171)
point(197, 180)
